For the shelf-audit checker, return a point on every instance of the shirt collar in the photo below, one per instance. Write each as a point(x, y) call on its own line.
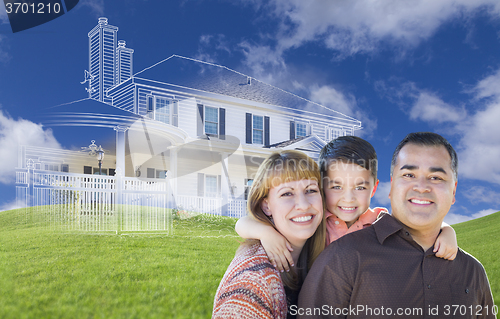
point(385, 226)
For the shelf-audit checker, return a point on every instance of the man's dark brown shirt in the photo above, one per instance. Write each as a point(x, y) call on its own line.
point(381, 272)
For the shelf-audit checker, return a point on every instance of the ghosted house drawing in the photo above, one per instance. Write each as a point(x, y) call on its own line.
point(199, 128)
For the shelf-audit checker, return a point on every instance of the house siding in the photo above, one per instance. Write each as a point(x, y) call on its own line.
point(187, 116)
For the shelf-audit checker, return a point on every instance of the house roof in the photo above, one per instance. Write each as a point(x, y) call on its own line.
point(88, 112)
point(286, 143)
point(76, 123)
point(308, 144)
point(213, 78)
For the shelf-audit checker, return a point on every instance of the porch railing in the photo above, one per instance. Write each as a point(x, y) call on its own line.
point(109, 203)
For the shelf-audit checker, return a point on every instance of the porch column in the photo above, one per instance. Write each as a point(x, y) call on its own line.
point(172, 175)
point(120, 149)
point(120, 168)
point(225, 183)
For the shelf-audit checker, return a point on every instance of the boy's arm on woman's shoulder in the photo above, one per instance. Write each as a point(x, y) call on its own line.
point(276, 246)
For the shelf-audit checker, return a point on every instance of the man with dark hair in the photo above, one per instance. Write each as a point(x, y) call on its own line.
point(389, 269)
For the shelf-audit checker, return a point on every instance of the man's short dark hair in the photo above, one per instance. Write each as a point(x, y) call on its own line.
point(350, 150)
point(427, 139)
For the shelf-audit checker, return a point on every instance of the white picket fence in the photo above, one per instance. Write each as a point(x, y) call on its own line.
point(109, 203)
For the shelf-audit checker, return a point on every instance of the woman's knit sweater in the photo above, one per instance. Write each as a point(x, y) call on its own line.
point(251, 287)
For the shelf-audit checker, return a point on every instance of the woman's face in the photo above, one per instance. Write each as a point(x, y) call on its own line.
point(296, 208)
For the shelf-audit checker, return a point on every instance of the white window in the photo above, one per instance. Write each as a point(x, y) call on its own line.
point(52, 167)
point(161, 173)
point(104, 171)
point(258, 130)
point(210, 186)
point(156, 173)
point(162, 110)
point(211, 120)
point(333, 133)
point(300, 129)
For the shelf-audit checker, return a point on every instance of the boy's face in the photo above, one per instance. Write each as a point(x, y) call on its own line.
point(348, 191)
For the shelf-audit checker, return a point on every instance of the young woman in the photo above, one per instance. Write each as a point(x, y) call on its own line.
point(286, 194)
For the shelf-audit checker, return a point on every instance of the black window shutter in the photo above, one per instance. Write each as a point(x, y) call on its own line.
point(200, 120)
point(292, 130)
point(222, 123)
point(201, 184)
point(266, 130)
point(249, 128)
point(150, 104)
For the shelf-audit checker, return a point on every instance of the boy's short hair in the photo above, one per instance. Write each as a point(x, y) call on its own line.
point(350, 150)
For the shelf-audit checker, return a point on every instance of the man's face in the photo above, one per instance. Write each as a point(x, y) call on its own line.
point(422, 186)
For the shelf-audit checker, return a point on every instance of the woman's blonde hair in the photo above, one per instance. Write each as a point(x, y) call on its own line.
point(282, 167)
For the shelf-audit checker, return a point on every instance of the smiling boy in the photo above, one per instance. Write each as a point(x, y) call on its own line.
point(349, 170)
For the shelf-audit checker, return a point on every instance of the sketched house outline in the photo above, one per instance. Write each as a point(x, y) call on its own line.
point(204, 126)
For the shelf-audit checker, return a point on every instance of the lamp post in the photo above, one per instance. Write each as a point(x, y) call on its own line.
point(100, 157)
point(96, 151)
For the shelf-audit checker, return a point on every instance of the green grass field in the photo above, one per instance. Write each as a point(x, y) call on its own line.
point(55, 274)
point(481, 238)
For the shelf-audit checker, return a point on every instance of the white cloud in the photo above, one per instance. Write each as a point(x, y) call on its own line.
point(452, 218)
point(12, 205)
point(4, 19)
point(265, 63)
point(268, 65)
point(4, 56)
point(480, 145)
point(480, 194)
point(329, 96)
point(488, 87)
point(344, 103)
point(478, 129)
point(484, 212)
point(19, 132)
point(210, 45)
point(420, 104)
point(381, 196)
point(355, 26)
point(97, 6)
point(430, 108)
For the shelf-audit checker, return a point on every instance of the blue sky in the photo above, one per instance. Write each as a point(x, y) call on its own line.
point(398, 66)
